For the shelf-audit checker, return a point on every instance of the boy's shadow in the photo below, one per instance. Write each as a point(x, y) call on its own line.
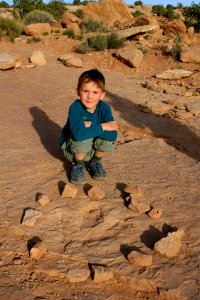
point(174, 132)
point(48, 132)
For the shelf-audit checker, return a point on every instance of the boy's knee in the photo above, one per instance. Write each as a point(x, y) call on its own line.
point(103, 145)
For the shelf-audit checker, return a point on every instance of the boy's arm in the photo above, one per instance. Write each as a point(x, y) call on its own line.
point(79, 130)
point(108, 124)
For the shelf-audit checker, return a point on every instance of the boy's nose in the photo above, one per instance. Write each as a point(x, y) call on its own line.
point(89, 95)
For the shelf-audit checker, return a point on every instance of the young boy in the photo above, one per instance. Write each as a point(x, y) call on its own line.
point(90, 130)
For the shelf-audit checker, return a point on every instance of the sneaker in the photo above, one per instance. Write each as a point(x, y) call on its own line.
point(77, 174)
point(97, 170)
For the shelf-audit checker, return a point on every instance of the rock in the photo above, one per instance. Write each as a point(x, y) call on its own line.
point(155, 213)
point(174, 74)
point(158, 108)
point(108, 12)
point(138, 202)
point(68, 19)
point(190, 54)
point(38, 250)
point(30, 216)
point(194, 108)
point(101, 273)
point(125, 33)
point(133, 189)
point(37, 29)
point(70, 60)
point(37, 58)
point(140, 258)
point(184, 115)
point(170, 245)
point(78, 274)
point(43, 200)
point(130, 56)
point(172, 27)
point(190, 30)
point(7, 61)
point(75, 28)
point(70, 191)
point(96, 193)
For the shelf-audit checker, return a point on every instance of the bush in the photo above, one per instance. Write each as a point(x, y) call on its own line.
point(192, 16)
point(114, 42)
point(34, 39)
point(38, 16)
point(83, 48)
point(168, 12)
point(158, 10)
point(137, 13)
point(25, 6)
point(78, 13)
point(56, 8)
point(98, 42)
point(70, 33)
point(4, 4)
point(45, 33)
point(177, 47)
point(10, 28)
point(138, 3)
point(92, 25)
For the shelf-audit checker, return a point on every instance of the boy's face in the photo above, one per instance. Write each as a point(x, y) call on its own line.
point(90, 94)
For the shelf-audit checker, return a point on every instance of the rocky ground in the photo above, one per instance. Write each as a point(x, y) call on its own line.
point(156, 150)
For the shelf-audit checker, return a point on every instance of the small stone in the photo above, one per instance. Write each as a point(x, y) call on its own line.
point(155, 213)
point(38, 250)
point(96, 193)
point(70, 191)
point(140, 207)
point(17, 261)
point(133, 189)
point(78, 274)
point(170, 245)
point(43, 200)
point(101, 274)
point(140, 258)
point(30, 216)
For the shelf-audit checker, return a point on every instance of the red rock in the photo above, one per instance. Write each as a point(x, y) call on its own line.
point(70, 191)
point(96, 193)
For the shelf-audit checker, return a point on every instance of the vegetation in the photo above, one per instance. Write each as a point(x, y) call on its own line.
point(4, 4)
point(101, 42)
point(137, 13)
point(177, 46)
point(138, 3)
point(10, 28)
point(92, 25)
point(34, 39)
point(78, 13)
point(38, 16)
point(56, 8)
point(70, 33)
point(192, 16)
point(168, 12)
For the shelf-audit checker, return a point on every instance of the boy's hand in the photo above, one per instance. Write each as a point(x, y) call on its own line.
point(87, 123)
point(110, 126)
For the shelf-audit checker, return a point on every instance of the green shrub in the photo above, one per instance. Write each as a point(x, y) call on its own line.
point(98, 42)
point(34, 39)
point(192, 16)
point(4, 4)
point(83, 48)
point(170, 12)
point(114, 42)
point(25, 6)
point(57, 31)
point(56, 8)
point(177, 47)
point(137, 13)
point(10, 28)
point(92, 25)
point(38, 16)
point(158, 10)
point(45, 33)
point(138, 3)
point(78, 13)
point(70, 33)
point(144, 50)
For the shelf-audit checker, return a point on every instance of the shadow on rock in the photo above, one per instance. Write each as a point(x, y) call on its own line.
point(174, 133)
point(126, 249)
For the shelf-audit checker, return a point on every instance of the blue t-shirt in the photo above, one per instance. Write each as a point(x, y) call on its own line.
point(76, 129)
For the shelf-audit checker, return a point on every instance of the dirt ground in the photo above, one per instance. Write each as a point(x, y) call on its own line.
point(162, 157)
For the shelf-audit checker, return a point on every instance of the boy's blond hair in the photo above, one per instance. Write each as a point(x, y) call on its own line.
point(93, 75)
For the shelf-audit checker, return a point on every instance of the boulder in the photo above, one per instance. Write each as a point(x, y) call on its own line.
point(7, 61)
point(125, 33)
point(37, 29)
point(108, 12)
point(68, 18)
point(191, 54)
point(37, 58)
point(131, 56)
point(174, 74)
point(172, 27)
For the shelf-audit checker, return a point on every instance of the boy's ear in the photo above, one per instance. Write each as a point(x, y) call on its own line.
point(77, 90)
point(103, 95)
